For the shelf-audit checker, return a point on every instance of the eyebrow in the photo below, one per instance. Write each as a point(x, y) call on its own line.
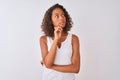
point(58, 13)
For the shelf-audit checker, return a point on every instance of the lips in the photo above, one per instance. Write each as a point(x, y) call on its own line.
point(62, 23)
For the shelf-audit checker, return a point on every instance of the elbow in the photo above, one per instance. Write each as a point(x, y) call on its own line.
point(76, 70)
point(48, 65)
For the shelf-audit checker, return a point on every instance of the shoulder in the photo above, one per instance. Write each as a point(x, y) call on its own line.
point(43, 38)
point(75, 39)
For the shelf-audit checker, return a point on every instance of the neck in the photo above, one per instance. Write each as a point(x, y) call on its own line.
point(64, 34)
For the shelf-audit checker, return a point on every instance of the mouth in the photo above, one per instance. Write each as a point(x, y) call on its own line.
point(62, 24)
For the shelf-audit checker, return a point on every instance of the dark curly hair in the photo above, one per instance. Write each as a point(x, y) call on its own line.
point(47, 26)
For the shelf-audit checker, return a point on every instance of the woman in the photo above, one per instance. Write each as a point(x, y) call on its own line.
point(60, 49)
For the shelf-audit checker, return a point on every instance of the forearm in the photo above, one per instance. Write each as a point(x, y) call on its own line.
point(66, 68)
point(49, 59)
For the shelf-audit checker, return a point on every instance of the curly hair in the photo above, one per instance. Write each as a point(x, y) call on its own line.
point(47, 26)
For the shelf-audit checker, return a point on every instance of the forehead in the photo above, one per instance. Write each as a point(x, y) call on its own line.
point(57, 11)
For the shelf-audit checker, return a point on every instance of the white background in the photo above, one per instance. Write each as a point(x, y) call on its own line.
point(96, 22)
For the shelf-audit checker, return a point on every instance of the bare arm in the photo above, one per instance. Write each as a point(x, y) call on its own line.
point(75, 65)
point(48, 57)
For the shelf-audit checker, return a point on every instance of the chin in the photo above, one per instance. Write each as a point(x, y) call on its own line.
point(62, 26)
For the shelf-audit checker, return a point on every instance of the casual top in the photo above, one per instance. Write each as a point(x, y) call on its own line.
point(63, 57)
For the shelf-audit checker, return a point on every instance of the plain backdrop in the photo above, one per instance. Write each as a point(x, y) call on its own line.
point(96, 23)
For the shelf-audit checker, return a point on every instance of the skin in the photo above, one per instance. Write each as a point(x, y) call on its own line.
point(59, 21)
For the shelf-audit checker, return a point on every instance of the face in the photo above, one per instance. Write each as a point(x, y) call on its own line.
point(58, 18)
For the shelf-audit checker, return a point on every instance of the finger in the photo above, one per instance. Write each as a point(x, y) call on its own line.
point(60, 28)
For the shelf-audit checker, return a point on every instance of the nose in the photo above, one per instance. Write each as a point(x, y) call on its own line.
point(61, 17)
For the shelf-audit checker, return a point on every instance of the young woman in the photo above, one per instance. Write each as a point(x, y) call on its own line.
point(60, 49)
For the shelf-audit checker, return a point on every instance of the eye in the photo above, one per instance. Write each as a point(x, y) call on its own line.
point(63, 15)
point(56, 16)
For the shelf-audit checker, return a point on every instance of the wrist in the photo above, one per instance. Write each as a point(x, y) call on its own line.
point(55, 41)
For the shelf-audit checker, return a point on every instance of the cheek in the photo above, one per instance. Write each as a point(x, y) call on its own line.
point(54, 22)
point(65, 19)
